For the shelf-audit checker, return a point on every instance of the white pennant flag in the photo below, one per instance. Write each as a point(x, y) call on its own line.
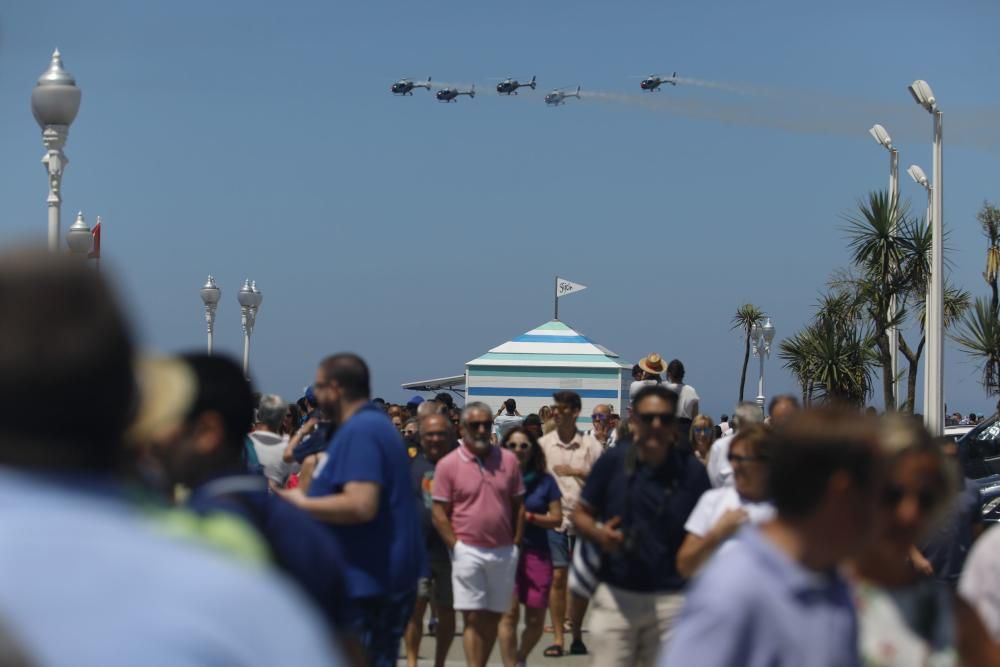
point(564, 287)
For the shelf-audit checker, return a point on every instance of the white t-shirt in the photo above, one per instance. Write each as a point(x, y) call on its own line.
point(634, 388)
point(716, 502)
point(980, 582)
point(687, 399)
point(720, 473)
point(270, 448)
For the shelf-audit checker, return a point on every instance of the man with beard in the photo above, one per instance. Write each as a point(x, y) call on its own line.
point(478, 492)
point(362, 491)
point(633, 507)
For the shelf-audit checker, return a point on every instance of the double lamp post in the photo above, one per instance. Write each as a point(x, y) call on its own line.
point(249, 298)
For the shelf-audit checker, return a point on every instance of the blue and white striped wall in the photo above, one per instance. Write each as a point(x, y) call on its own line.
point(553, 357)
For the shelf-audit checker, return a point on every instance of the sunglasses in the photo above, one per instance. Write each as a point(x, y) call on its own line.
point(434, 434)
point(599, 417)
point(736, 458)
point(666, 418)
point(704, 430)
point(893, 494)
point(519, 446)
point(479, 426)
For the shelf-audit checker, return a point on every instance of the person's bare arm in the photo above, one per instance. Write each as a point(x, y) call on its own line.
point(307, 471)
point(298, 437)
point(551, 519)
point(694, 408)
point(357, 503)
point(517, 507)
point(695, 550)
point(975, 646)
point(919, 563)
point(440, 517)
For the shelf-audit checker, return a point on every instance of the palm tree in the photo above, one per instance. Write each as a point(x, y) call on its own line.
point(796, 352)
point(980, 337)
point(956, 303)
point(989, 220)
point(877, 250)
point(746, 317)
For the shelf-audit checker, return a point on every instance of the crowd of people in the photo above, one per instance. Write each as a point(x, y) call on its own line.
point(160, 512)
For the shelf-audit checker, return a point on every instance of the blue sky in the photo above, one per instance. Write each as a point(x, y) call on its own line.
point(258, 139)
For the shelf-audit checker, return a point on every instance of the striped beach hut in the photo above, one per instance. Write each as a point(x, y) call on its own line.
point(536, 364)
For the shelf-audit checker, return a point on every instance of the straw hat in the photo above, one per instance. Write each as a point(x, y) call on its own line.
point(653, 363)
point(168, 388)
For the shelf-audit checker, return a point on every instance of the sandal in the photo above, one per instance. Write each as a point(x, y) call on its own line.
point(554, 651)
point(578, 647)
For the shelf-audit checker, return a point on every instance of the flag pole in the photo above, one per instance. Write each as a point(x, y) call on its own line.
point(556, 297)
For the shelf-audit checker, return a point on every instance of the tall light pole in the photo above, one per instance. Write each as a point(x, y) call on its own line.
point(79, 238)
point(919, 177)
point(882, 137)
point(246, 299)
point(934, 398)
point(55, 102)
point(210, 295)
point(761, 337)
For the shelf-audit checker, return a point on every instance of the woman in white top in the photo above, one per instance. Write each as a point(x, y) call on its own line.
point(721, 511)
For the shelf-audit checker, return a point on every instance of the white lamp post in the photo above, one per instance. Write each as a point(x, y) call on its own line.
point(55, 102)
point(761, 337)
point(79, 238)
point(919, 177)
point(250, 299)
point(882, 137)
point(210, 295)
point(934, 398)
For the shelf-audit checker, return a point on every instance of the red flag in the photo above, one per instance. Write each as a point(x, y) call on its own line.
point(96, 233)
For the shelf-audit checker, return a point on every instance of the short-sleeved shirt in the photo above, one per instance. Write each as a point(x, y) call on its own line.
point(716, 502)
point(422, 476)
point(270, 449)
point(385, 555)
point(687, 398)
point(481, 493)
point(653, 504)
point(720, 472)
point(541, 490)
point(980, 582)
point(580, 452)
point(754, 605)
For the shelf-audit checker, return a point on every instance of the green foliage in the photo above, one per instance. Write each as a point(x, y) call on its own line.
point(745, 318)
point(979, 337)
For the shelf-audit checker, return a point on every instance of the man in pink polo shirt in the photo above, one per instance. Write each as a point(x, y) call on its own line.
point(477, 495)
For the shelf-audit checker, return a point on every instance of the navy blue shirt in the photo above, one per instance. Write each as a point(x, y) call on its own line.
point(422, 477)
point(540, 491)
point(300, 546)
point(385, 555)
point(653, 504)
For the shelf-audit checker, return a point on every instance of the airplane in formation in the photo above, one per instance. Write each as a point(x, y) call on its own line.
point(509, 86)
point(654, 81)
point(406, 86)
point(557, 96)
point(451, 94)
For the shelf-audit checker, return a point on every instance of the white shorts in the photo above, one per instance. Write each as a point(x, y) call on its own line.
point(483, 578)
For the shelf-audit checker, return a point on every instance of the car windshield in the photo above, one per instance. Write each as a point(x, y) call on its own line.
point(980, 447)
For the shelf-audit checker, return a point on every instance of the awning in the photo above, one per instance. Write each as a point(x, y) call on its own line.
point(453, 383)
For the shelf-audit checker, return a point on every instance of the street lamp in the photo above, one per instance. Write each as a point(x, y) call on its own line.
point(79, 238)
point(55, 102)
point(882, 137)
point(247, 301)
point(934, 326)
point(210, 295)
point(761, 337)
point(919, 177)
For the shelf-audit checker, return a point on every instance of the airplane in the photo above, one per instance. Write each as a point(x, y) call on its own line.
point(557, 97)
point(449, 94)
point(405, 86)
point(508, 86)
point(654, 81)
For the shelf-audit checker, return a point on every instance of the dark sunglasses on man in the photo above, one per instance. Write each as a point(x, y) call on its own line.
point(666, 418)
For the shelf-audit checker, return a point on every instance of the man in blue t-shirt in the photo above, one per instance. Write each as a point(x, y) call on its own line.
point(362, 491)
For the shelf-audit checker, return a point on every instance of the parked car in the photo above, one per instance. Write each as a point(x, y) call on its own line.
point(979, 453)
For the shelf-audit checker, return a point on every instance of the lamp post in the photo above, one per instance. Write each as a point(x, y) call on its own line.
point(250, 299)
point(934, 326)
point(210, 295)
point(919, 177)
point(55, 102)
point(79, 238)
point(882, 137)
point(761, 337)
